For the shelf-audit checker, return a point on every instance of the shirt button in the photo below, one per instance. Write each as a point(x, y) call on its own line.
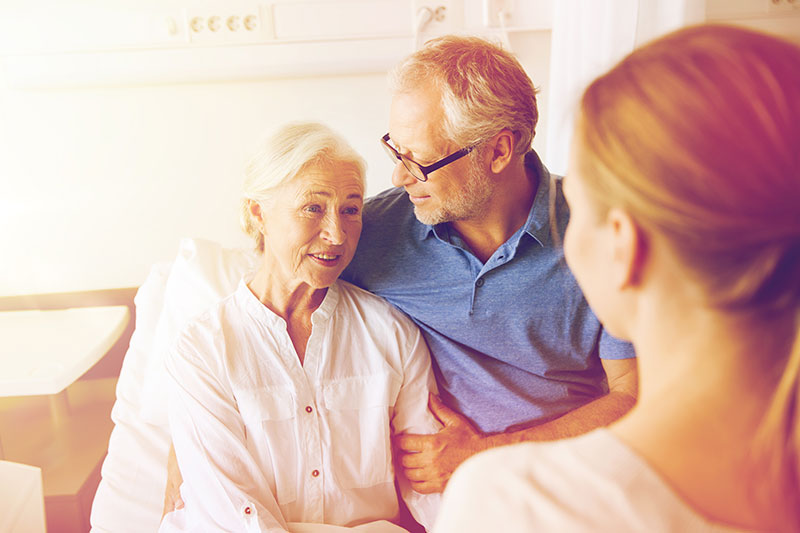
point(308, 409)
point(247, 510)
point(479, 283)
point(315, 473)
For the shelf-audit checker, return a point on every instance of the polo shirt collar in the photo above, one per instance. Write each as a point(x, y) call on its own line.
point(537, 224)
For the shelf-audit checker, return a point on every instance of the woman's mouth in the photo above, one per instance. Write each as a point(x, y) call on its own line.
point(326, 259)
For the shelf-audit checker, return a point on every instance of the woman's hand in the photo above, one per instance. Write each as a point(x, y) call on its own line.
point(172, 492)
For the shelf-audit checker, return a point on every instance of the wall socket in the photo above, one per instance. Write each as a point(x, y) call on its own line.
point(234, 24)
point(782, 6)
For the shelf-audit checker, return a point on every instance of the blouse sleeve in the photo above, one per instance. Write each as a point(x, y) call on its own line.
point(223, 487)
point(412, 415)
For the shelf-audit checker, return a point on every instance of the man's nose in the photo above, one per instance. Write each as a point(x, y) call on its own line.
point(401, 176)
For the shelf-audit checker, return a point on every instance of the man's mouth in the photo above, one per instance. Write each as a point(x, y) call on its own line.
point(417, 199)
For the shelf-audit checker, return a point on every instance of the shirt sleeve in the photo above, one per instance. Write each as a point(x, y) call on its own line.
point(223, 488)
point(614, 348)
point(412, 415)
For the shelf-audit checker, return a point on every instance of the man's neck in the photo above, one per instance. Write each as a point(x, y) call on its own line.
point(506, 212)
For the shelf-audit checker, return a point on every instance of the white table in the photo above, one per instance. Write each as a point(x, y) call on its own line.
point(43, 352)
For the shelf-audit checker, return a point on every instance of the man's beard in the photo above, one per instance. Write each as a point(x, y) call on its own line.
point(471, 202)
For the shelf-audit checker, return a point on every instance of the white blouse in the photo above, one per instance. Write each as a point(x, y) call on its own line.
point(262, 440)
point(581, 485)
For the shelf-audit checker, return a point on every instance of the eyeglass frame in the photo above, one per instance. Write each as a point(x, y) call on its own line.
point(424, 169)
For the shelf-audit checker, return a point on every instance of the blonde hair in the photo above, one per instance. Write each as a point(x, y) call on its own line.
point(484, 89)
point(284, 155)
point(697, 135)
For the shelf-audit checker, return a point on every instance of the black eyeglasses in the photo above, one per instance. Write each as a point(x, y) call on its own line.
point(421, 171)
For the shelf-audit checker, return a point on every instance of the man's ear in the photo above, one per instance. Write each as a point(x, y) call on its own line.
point(503, 150)
point(629, 249)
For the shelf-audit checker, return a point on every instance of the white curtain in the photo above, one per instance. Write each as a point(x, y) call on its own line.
point(588, 38)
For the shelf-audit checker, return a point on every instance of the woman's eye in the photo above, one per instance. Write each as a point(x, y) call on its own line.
point(350, 210)
point(313, 209)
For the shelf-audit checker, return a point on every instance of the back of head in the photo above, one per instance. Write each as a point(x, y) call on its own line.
point(285, 154)
point(484, 88)
point(697, 135)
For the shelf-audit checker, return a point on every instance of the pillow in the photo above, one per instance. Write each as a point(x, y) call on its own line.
point(203, 274)
point(131, 492)
point(149, 301)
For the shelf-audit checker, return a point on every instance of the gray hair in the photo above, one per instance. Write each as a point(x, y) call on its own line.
point(284, 155)
point(484, 89)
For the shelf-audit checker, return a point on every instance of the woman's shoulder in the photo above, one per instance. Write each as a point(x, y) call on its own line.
point(371, 307)
point(589, 483)
point(204, 335)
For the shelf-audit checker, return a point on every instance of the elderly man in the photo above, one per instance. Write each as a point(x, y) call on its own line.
point(468, 245)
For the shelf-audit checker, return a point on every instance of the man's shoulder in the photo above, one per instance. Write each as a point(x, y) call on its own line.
point(387, 240)
point(392, 201)
point(389, 221)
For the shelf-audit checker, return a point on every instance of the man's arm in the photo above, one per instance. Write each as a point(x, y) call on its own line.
point(429, 460)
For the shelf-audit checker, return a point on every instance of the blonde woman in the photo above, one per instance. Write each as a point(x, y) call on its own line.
point(684, 190)
point(285, 394)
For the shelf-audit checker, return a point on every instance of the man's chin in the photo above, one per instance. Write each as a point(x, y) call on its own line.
point(429, 217)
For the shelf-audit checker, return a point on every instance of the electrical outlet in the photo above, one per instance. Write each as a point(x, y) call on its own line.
point(783, 6)
point(223, 23)
point(437, 17)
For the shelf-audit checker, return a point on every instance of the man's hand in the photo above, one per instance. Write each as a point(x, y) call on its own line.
point(172, 493)
point(428, 461)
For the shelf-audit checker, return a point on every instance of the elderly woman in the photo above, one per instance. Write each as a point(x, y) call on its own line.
point(285, 393)
point(684, 191)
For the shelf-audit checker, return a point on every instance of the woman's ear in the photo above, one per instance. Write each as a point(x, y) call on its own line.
point(255, 212)
point(503, 150)
point(629, 249)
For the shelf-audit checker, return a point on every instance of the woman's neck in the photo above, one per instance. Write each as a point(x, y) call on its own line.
point(703, 390)
point(286, 299)
point(294, 302)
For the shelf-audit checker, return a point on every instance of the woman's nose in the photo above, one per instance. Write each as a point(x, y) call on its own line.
point(401, 176)
point(333, 230)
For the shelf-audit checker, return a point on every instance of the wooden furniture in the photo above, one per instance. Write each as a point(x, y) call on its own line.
point(47, 418)
point(69, 453)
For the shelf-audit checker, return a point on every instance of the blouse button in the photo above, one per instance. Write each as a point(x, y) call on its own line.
point(308, 409)
point(479, 283)
point(315, 472)
point(247, 510)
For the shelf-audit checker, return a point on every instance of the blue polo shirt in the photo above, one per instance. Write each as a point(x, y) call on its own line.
point(513, 340)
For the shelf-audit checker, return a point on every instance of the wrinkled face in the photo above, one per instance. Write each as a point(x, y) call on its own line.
point(588, 248)
point(458, 191)
point(312, 225)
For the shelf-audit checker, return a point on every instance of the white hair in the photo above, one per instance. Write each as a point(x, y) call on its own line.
point(284, 155)
point(484, 89)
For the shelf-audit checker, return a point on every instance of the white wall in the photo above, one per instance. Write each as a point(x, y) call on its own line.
point(96, 184)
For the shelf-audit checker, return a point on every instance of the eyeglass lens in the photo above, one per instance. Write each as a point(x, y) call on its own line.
point(411, 166)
